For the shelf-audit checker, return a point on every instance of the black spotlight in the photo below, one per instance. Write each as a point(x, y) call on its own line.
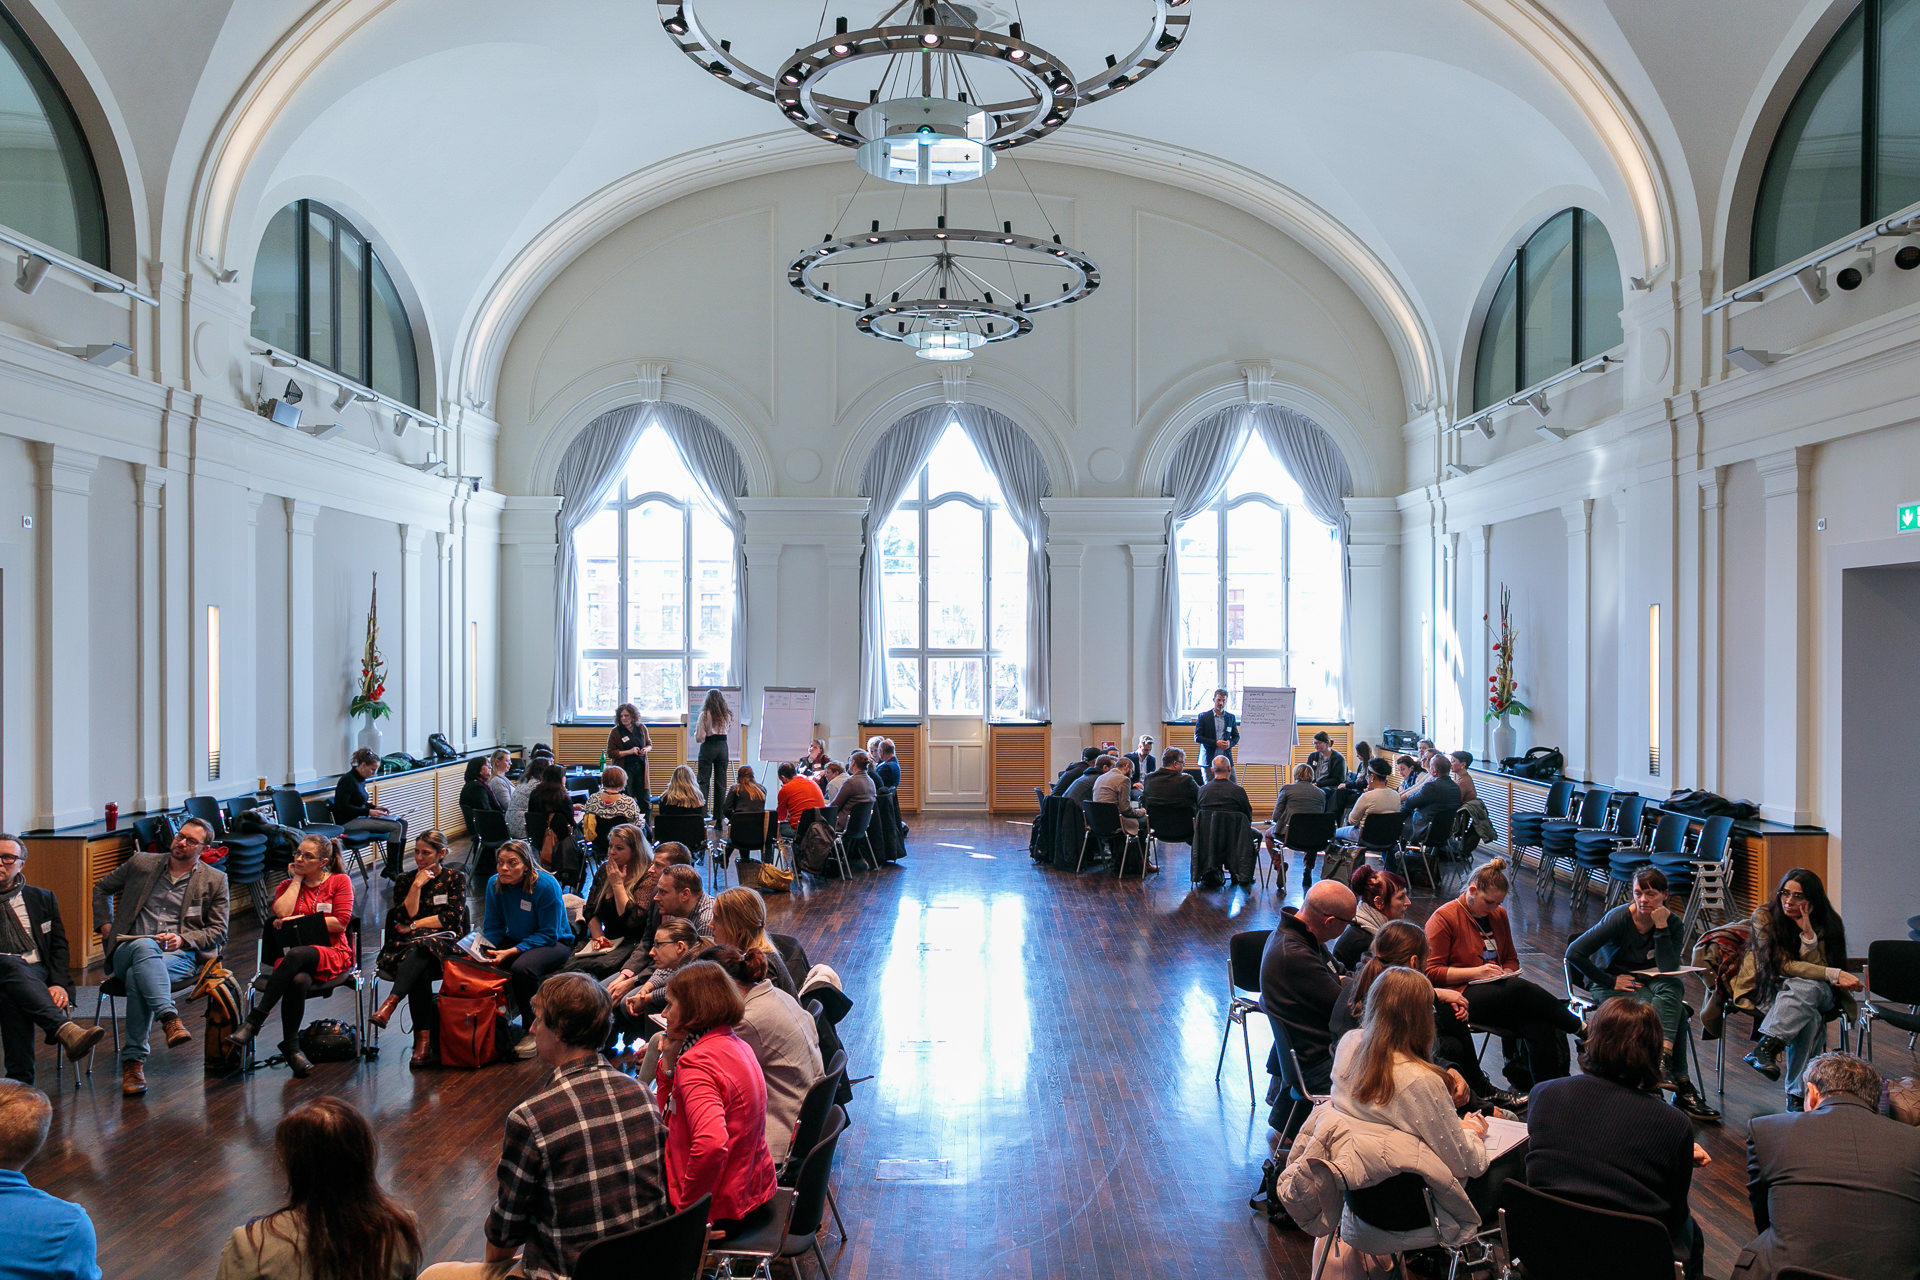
point(293, 393)
point(677, 24)
point(1907, 257)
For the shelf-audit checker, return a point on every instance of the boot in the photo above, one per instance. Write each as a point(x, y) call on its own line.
point(298, 1062)
point(246, 1031)
point(1713, 1016)
point(133, 1079)
point(175, 1031)
point(1765, 1057)
point(423, 1055)
point(1688, 1100)
point(384, 1014)
point(78, 1040)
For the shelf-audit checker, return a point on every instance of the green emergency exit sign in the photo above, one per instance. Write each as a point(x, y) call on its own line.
point(1910, 517)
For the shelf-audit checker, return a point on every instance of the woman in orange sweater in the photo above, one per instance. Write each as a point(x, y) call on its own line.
point(1470, 949)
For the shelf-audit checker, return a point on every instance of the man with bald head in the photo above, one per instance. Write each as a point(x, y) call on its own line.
point(1300, 984)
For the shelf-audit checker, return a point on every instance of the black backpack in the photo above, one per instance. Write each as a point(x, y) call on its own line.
point(329, 1040)
point(1543, 764)
point(439, 748)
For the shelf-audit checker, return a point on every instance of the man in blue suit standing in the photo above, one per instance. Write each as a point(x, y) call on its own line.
point(1216, 731)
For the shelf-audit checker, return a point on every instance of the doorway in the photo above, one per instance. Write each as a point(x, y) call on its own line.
point(956, 763)
point(1879, 707)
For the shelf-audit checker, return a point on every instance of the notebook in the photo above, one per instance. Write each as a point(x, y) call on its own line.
point(309, 930)
point(1503, 1135)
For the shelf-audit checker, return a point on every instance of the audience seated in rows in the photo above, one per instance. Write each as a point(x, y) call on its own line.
point(1605, 1138)
point(357, 814)
point(531, 777)
point(1641, 934)
point(1299, 986)
point(639, 995)
point(1171, 785)
point(1222, 792)
point(524, 930)
point(784, 1040)
point(36, 984)
point(1470, 949)
point(161, 918)
point(582, 1160)
point(1799, 948)
point(46, 1238)
point(337, 1222)
point(1835, 1190)
point(477, 794)
point(424, 926)
point(316, 885)
point(608, 808)
point(1379, 897)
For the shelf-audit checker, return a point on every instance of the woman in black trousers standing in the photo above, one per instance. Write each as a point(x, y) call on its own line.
point(628, 746)
point(715, 723)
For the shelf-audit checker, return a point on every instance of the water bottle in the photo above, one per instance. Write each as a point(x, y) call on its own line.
point(113, 815)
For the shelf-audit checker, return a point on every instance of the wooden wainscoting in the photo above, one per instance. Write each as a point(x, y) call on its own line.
point(71, 866)
point(1016, 763)
point(910, 749)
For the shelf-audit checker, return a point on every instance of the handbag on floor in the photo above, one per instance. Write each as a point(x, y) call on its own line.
point(472, 1012)
point(329, 1040)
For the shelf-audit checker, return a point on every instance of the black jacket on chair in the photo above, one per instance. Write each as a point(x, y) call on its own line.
point(49, 937)
point(1434, 801)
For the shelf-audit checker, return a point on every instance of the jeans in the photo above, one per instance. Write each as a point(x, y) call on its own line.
point(1208, 752)
point(149, 975)
point(1799, 1019)
point(24, 1005)
point(1669, 1000)
point(391, 830)
point(713, 771)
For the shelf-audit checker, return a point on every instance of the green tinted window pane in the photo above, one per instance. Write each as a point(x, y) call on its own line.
point(353, 283)
point(1810, 191)
point(1546, 301)
point(48, 187)
point(1493, 367)
point(276, 282)
point(1898, 158)
point(396, 368)
point(1601, 298)
point(320, 290)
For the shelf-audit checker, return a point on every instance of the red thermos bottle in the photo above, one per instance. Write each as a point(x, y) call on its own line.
point(113, 816)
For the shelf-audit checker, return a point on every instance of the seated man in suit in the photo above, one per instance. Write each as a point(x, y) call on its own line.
point(1171, 785)
point(1837, 1189)
point(1144, 761)
point(36, 988)
point(1071, 774)
point(1432, 804)
point(1223, 792)
point(1082, 789)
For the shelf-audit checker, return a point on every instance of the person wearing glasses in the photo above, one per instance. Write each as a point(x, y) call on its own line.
point(1799, 950)
point(1300, 984)
point(162, 916)
point(36, 986)
point(316, 884)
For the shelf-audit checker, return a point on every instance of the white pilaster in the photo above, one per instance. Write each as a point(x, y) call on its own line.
point(1149, 560)
point(301, 515)
point(63, 622)
point(150, 791)
point(1064, 564)
point(763, 623)
point(840, 695)
point(1474, 638)
point(1784, 682)
point(1373, 624)
point(413, 698)
point(1579, 748)
point(1711, 483)
point(528, 540)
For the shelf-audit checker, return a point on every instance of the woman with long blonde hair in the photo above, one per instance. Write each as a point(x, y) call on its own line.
point(740, 922)
point(682, 792)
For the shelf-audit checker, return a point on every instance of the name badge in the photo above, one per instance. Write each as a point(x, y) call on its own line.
point(324, 908)
point(526, 904)
point(440, 897)
point(46, 926)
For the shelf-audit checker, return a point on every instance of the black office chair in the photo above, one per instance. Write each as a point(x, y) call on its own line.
point(1669, 842)
point(355, 980)
point(1307, 834)
point(1292, 1079)
point(246, 862)
point(681, 824)
point(1168, 824)
point(320, 814)
point(1403, 1204)
point(1103, 826)
point(489, 830)
point(748, 833)
point(810, 1197)
point(1553, 1239)
point(812, 1121)
point(673, 1248)
point(1243, 974)
point(1380, 833)
point(858, 818)
point(1893, 974)
point(1590, 812)
point(1525, 827)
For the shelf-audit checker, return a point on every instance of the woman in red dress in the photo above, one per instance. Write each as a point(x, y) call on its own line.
point(317, 885)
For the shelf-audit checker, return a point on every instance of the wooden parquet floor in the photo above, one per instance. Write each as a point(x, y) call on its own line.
point(1043, 1099)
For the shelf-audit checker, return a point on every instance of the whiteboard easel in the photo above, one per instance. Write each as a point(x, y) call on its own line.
point(1268, 730)
point(786, 724)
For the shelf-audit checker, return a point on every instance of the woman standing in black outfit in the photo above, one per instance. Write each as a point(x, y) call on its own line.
point(715, 723)
point(433, 900)
point(628, 746)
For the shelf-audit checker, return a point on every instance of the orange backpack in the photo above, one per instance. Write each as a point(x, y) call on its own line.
point(473, 1015)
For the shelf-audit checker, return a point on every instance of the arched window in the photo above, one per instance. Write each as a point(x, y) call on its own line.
point(953, 575)
point(1848, 151)
point(322, 293)
point(1261, 592)
point(1558, 304)
point(49, 188)
point(654, 573)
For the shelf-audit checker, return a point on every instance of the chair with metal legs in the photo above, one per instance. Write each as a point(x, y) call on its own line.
point(1893, 974)
point(1243, 974)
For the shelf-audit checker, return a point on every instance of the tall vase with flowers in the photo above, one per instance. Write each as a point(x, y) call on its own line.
point(1501, 687)
point(373, 678)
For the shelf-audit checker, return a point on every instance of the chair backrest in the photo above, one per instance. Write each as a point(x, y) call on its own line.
point(816, 1167)
point(1309, 832)
point(1382, 830)
point(857, 819)
point(812, 1121)
point(750, 832)
point(491, 826)
point(1559, 798)
point(1554, 1238)
point(1626, 819)
point(689, 829)
point(1289, 1061)
point(1594, 803)
point(1893, 967)
point(1243, 958)
point(1104, 819)
point(207, 809)
point(1715, 835)
point(1466, 834)
point(673, 1248)
point(288, 811)
point(1397, 1204)
point(1670, 833)
point(1171, 822)
point(146, 834)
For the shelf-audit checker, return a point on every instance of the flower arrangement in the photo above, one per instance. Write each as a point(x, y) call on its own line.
point(1500, 685)
point(373, 668)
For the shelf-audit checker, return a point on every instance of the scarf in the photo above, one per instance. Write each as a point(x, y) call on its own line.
point(14, 939)
point(1366, 917)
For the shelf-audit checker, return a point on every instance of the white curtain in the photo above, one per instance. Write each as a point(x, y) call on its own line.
point(590, 470)
point(1200, 468)
point(890, 470)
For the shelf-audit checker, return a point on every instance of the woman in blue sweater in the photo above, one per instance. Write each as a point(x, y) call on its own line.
point(525, 930)
point(1643, 934)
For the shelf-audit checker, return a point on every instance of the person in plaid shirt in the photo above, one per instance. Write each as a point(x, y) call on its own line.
point(582, 1159)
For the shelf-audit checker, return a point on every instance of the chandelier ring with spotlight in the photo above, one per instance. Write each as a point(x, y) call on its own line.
point(856, 250)
point(1053, 91)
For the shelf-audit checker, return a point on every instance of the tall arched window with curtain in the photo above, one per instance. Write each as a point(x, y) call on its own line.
point(1256, 576)
point(1558, 303)
point(49, 187)
point(1848, 149)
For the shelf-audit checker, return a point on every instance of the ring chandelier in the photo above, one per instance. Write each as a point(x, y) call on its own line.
point(944, 291)
point(937, 75)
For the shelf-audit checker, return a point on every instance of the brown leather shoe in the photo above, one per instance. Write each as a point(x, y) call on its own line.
point(77, 1040)
point(176, 1031)
point(133, 1079)
point(384, 1014)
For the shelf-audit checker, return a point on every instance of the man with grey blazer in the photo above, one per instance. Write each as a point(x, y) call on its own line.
point(1837, 1189)
point(171, 914)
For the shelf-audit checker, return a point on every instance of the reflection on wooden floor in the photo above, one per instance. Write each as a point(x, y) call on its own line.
point(1043, 1100)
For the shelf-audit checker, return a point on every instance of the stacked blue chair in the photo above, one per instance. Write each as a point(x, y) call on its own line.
point(1523, 829)
point(1593, 850)
point(1557, 837)
point(246, 862)
point(1704, 875)
point(1669, 842)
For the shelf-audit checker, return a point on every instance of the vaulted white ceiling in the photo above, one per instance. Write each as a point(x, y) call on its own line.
point(1427, 135)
